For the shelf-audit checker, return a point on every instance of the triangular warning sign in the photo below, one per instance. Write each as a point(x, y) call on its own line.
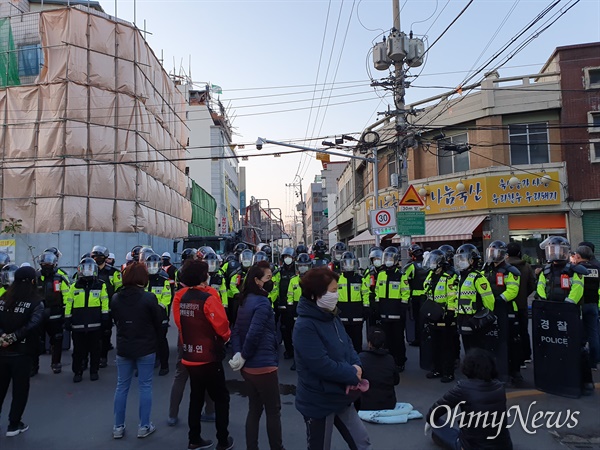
point(411, 198)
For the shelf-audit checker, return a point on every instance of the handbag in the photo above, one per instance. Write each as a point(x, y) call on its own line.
point(483, 319)
point(432, 311)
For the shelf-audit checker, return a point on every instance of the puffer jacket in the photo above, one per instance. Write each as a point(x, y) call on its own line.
point(24, 320)
point(478, 396)
point(254, 332)
point(380, 369)
point(324, 359)
point(527, 283)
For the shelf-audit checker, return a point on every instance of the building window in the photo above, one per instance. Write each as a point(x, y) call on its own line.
point(529, 143)
point(595, 151)
point(592, 77)
point(594, 122)
point(392, 164)
point(449, 161)
point(31, 60)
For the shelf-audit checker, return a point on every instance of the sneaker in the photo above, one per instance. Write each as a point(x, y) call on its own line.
point(146, 430)
point(433, 374)
point(208, 417)
point(523, 366)
point(203, 444)
point(163, 371)
point(94, 377)
point(13, 430)
point(118, 432)
point(447, 379)
point(103, 363)
point(56, 368)
point(225, 445)
point(77, 378)
point(528, 361)
point(172, 421)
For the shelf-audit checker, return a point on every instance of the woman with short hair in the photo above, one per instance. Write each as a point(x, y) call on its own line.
point(327, 365)
point(138, 318)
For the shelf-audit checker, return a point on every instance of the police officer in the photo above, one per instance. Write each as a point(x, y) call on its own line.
point(441, 287)
point(235, 282)
point(135, 253)
point(171, 270)
point(188, 253)
point(505, 279)
point(392, 307)
point(159, 285)
point(112, 278)
point(54, 289)
point(353, 301)
point(217, 280)
point(111, 259)
point(338, 249)
point(282, 278)
point(370, 281)
point(474, 293)
point(413, 289)
point(4, 259)
point(58, 254)
point(303, 265)
point(7, 277)
point(86, 315)
point(561, 281)
point(319, 250)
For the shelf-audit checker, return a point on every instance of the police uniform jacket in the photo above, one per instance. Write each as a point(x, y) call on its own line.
point(388, 294)
point(87, 305)
point(504, 280)
point(474, 292)
point(54, 290)
point(112, 277)
point(284, 277)
point(414, 274)
point(591, 283)
point(561, 282)
point(217, 282)
point(352, 299)
point(442, 288)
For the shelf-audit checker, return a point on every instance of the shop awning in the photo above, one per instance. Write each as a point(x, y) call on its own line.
point(366, 238)
point(455, 229)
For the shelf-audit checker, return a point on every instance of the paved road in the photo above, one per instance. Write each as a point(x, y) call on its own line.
point(67, 416)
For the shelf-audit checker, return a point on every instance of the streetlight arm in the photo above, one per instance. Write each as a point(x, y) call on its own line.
point(310, 149)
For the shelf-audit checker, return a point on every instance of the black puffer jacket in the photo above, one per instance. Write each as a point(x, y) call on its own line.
point(138, 318)
point(527, 283)
point(380, 369)
point(477, 396)
point(23, 319)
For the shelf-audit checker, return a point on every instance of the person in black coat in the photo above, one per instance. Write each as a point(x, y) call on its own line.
point(480, 394)
point(21, 315)
point(381, 371)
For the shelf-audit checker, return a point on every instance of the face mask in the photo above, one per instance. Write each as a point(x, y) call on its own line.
point(377, 262)
point(302, 269)
point(287, 261)
point(461, 263)
point(47, 270)
point(268, 285)
point(389, 263)
point(328, 301)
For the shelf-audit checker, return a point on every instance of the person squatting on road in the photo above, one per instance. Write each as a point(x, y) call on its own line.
point(327, 365)
point(21, 314)
point(204, 330)
point(255, 347)
point(138, 319)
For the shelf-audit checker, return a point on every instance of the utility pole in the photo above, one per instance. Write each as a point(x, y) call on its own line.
point(300, 206)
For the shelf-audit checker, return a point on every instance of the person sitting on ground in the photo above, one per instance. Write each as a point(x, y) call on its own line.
point(380, 369)
point(480, 394)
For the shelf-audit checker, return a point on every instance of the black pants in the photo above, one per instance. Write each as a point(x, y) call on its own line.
point(15, 369)
point(54, 329)
point(263, 393)
point(515, 355)
point(523, 316)
point(355, 331)
point(163, 348)
point(286, 325)
point(444, 353)
point(208, 378)
point(415, 308)
point(105, 343)
point(86, 343)
point(394, 338)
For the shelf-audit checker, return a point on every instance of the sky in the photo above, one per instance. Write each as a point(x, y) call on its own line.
point(301, 71)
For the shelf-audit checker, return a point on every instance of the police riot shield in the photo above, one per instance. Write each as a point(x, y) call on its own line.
point(556, 342)
point(426, 348)
point(411, 323)
point(496, 340)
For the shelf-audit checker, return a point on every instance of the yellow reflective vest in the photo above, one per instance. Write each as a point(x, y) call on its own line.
point(474, 291)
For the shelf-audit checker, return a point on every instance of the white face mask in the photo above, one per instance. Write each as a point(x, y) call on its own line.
point(303, 269)
point(389, 263)
point(328, 301)
point(287, 261)
point(377, 262)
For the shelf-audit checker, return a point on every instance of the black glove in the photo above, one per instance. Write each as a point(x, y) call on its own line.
point(68, 324)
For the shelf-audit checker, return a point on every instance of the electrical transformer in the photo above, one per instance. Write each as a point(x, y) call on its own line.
point(380, 57)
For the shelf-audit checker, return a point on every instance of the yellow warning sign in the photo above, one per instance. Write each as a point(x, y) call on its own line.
point(324, 157)
point(411, 198)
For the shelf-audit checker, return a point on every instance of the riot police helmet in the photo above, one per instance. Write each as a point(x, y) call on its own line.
point(496, 252)
point(338, 250)
point(239, 248)
point(189, 253)
point(144, 252)
point(556, 248)
point(246, 258)
point(376, 256)
point(266, 248)
point(4, 259)
point(415, 251)
point(390, 256)
point(213, 262)
point(301, 248)
point(319, 247)
point(85, 255)
point(287, 256)
point(348, 262)
point(87, 268)
point(205, 250)
point(99, 250)
point(260, 256)
point(54, 250)
point(153, 263)
point(7, 274)
point(135, 253)
point(434, 260)
point(48, 262)
point(449, 252)
point(303, 263)
point(467, 256)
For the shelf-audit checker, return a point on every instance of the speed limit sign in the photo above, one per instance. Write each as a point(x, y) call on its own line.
point(383, 221)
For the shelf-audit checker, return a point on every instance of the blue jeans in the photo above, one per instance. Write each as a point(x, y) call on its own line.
point(589, 314)
point(125, 369)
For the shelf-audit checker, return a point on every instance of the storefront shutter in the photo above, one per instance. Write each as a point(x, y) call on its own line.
point(591, 228)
